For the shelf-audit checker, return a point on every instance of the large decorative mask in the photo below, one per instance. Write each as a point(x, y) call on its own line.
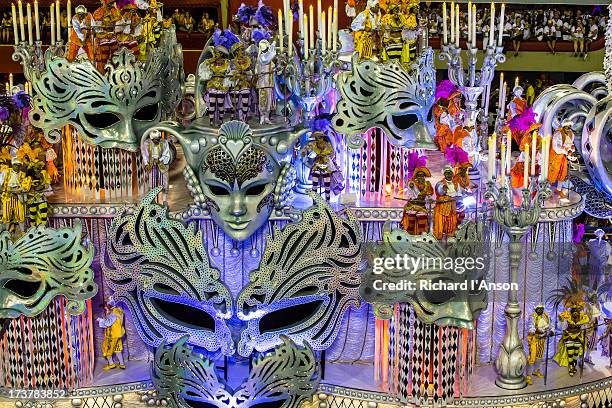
point(387, 96)
point(308, 277)
point(159, 268)
point(240, 174)
point(109, 110)
point(443, 307)
point(284, 378)
point(42, 264)
point(597, 145)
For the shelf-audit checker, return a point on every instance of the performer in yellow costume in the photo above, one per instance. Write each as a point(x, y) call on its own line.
point(415, 219)
point(539, 325)
point(365, 25)
point(114, 331)
point(13, 195)
point(35, 181)
point(572, 341)
point(562, 145)
point(392, 43)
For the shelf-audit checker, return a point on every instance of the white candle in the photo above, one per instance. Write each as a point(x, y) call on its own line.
point(508, 151)
point(290, 34)
point(15, 32)
point(503, 163)
point(11, 82)
point(286, 16)
point(335, 31)
point(322, 32)
point(474, 26)
point(491, 42)
point(526, 167)
point(311, 31)
point(504, 94)
point(36, 20)
point(69, 14)
point(29, 14)
point(457, 29)
point(329, 30)
point(444, 28)
point(319, 16)
point(21, 22)
point(58, 21)
point(301, 17)
point(52, 13)
point(501, 26)
point(534, 146)
point(490, 161)
point(469, 24)
point(305, 35)
point(452, 22)
point(280, 30)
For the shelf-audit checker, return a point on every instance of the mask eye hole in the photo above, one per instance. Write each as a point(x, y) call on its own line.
point(218, 190)
point(255, 190)
point(102, 120)
point(404, 122)
point(147, 113)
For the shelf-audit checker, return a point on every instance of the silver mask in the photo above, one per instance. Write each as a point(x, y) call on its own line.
point(285, 378)
point(42, 264)
point(159, 268)
point(308, 277)
point(240, 174)
point(386, 96)
point(112, 109)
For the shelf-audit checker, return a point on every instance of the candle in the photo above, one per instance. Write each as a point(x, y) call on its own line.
point(516, 81)
point(305, 35)
point(508, 151)
point(452, 21)
point(52, 13)
point(469, 17)
point(526, 167)
point(319, 16)
point(29, 14)
point(8, 90)
point(335, 31)
point(490, 160)
point(286, 15)
point(36, 20)
point(501, 25)
point(280, 30)
point(311, 31)
point(322, 32)
point(329, 30)
point(534, 146)
point(474, 26)
point(21, 23)
point(301, 17)
point(11, 82)
point(290, 34)
point(15, 32)
point(491, 42)
point(503, 163)
point(501, 88)
point(458, 29)
point(444, 28)
point(504, 94)
point(69, 14)
point(58, 21)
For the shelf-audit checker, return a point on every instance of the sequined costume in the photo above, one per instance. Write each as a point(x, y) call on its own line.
point(215, 71)
point(241, 78)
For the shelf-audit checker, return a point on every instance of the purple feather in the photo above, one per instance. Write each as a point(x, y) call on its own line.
point(230, 39)
point(445, 89)
point(320, 124)
point(4, 113)
point(264, 15)
point(245, 13)
point(522, 122)
point(217, 37)
point(260, 34)
point(415, 160)
point(22, 100)
point(456, 155)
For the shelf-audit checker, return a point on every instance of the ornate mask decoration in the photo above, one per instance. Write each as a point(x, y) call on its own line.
point(443, 307)
point(111, 110)
point(386, 96)
point(308, 277)
point(284, 378)
point(239, 173)
point(159, 268)
point(597, 145)
point(43, 264)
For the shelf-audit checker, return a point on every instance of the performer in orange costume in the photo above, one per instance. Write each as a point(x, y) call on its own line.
point(415, 209)
point(445, 211)
point(444, 134)
point(81, 35)
point(454, 106)
point(517, 172)
point(561, 146)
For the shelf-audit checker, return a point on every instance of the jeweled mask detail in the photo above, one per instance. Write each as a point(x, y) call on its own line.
point(459, 307)
point(110, 110)
point(308, 277)
point(387, 96)
point(159, 268)
point(240, 174)
point(284, 378)
point(42, 264)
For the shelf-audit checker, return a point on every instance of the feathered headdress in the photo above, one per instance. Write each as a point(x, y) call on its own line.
point(259, 34)
point(415, 161)
point(264, 15)
point(445, 89)
point(456, 155)
point(245, 13)
point(225, 38)
point(523, 122)
point(570, 295)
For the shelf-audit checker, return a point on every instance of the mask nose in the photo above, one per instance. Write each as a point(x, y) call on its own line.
point(238, 207)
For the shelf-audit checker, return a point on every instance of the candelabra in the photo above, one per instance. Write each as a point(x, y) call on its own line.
point(33, 59)
point(516, 221)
